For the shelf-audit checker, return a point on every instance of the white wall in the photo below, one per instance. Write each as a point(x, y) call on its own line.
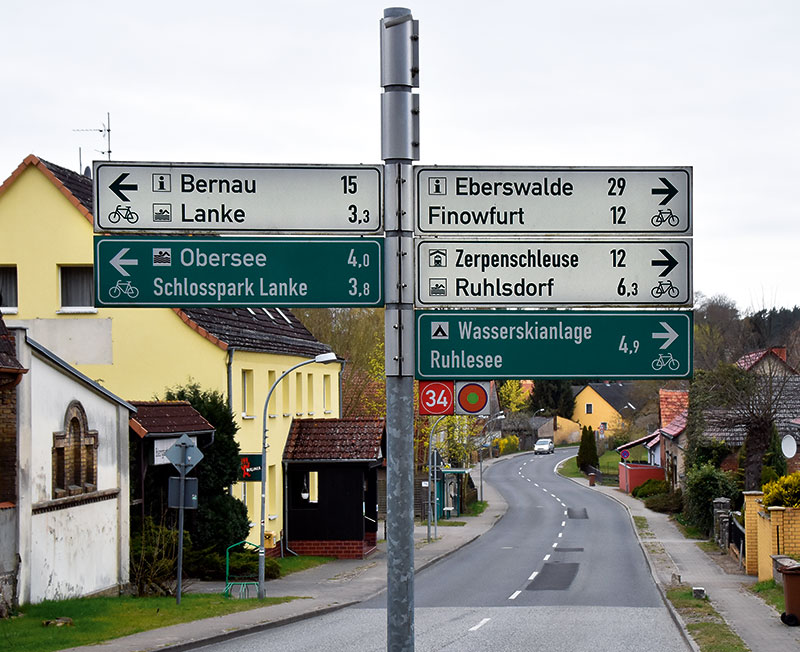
point(81, 549)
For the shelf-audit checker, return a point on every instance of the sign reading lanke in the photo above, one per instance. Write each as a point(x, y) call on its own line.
point(479, 345)
point(143, 271)
point(220, 198)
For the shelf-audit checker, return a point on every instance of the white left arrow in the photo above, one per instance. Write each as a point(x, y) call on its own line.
point(669, 336)
point(118, 262)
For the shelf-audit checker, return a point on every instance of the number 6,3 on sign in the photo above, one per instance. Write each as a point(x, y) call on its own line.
point(436, 397)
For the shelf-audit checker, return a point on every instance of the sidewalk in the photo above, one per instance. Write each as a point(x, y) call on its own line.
point(322, 589)
point(670, 554)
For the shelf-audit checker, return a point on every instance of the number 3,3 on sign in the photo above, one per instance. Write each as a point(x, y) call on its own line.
point(436, 397)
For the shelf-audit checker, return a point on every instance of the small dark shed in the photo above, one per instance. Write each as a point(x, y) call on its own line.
point(331, 494)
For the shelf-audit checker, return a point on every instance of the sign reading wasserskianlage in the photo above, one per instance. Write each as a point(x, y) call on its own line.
point(209, 198)
point(142, 271)
point(553, 272)
point(512, 200)
point(475, 345)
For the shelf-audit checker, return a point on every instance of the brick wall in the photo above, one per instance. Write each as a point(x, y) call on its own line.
point(8, 438)
point(342, 549)
point(751, 507)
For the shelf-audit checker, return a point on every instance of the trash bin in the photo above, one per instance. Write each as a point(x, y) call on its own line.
point(592, 477)
point(791, 594)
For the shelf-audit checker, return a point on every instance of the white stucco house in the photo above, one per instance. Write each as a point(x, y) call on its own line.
point(70, 503)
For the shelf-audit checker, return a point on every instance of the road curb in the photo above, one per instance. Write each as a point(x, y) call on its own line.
point(651, 566)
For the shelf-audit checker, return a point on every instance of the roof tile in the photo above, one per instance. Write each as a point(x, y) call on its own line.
point(335, 439)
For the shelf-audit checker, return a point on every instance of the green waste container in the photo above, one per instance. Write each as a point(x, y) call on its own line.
point(791, 594)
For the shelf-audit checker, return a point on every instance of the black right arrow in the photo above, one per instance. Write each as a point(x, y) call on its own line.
point(117, 186)
point(669, 191)
point(669, 263)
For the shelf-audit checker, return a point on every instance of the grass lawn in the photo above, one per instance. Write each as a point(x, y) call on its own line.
point(772, 593)
point(101, 619)
point(290, 564)
point(609, 464)
point(705, 625)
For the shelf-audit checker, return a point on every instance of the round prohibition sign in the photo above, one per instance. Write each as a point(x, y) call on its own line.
point(436, 397)
point(472, 398)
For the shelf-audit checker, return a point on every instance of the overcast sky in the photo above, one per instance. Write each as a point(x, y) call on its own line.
point(712, 84)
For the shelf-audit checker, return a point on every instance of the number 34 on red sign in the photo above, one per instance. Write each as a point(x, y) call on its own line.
point(436, 397)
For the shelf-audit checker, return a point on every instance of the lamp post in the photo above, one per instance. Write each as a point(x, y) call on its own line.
point(430, 466)
point(322, 358)
point(495, 417)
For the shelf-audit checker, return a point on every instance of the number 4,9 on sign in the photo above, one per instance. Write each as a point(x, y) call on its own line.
point(436, 397)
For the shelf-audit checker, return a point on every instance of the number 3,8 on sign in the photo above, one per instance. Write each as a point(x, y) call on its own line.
point(436, 397)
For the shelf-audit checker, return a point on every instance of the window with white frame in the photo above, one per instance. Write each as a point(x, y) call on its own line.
point(77, 288)
point(8, 288)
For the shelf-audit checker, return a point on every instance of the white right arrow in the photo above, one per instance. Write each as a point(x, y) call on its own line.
point(118, 261)
point(669, 336)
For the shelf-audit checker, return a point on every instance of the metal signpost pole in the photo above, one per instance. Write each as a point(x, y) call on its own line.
point(399, 147)
point(181, 496)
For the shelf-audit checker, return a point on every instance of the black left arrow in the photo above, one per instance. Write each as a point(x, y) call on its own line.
point(669, 191)
point(669, 263)
point(117, 186)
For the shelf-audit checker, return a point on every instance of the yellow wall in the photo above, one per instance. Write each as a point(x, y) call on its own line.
point(139, 352)
point(602, 412)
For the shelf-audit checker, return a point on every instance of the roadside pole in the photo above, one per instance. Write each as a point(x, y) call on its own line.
point(399, 147)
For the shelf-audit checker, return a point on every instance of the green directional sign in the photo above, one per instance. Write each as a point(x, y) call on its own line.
point(143, 271)
point(476, 345)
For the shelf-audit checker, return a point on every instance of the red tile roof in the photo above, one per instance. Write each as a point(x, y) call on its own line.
point(750, 360)
point(8, 352)
point(335, 439)
point(676, 426)
point(671, 402)
point(159, 418)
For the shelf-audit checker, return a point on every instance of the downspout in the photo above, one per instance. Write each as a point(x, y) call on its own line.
point(341, 373)
point(229, 366)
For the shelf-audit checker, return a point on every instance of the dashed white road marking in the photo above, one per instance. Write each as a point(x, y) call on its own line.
point(514, 595)
point(546, 557)
point(533, 576)
point(479, 625)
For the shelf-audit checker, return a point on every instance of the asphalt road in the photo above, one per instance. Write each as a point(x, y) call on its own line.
point(562, 570)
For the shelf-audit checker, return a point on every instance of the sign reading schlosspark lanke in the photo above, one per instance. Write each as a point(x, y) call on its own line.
point(210, 198)
point(513, 200)
point(141, 271)
point(493, 272)
point(475, 345)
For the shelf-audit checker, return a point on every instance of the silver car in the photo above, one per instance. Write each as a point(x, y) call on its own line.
point(543, 447)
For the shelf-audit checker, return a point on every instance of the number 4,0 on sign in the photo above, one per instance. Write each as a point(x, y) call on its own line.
point(436, 397)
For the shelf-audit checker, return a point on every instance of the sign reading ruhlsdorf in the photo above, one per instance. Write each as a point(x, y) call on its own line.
point(217, 198)
point(142, 271)
point(474, 344)
point(494, 272)
point(511, 200)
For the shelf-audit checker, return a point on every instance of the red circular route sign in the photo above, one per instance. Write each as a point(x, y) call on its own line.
point(472, 398)
point(436, 397)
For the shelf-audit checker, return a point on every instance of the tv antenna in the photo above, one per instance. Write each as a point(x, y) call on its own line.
point(105, 131)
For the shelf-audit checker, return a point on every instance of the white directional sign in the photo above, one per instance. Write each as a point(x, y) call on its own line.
point(504, 201)
point(211, 198)
point(553, 272)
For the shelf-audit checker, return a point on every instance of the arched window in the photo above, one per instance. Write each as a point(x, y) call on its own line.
point(74, 455)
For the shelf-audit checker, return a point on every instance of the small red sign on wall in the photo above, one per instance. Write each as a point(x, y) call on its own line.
point(436, 397)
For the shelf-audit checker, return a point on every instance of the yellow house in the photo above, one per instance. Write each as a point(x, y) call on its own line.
point(603, 406)
point(46, 286)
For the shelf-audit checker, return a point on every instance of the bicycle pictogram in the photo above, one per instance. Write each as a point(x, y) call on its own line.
point(666, 360)
point(123, 287)
point(665, 287)
point(123, 212)
point(665, 215)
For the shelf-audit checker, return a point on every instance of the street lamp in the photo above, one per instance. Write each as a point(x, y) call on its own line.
point(322, 358)
point(496, 417)
point(430, 465)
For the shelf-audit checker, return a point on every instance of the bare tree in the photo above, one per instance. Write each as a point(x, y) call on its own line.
point(731, 404)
